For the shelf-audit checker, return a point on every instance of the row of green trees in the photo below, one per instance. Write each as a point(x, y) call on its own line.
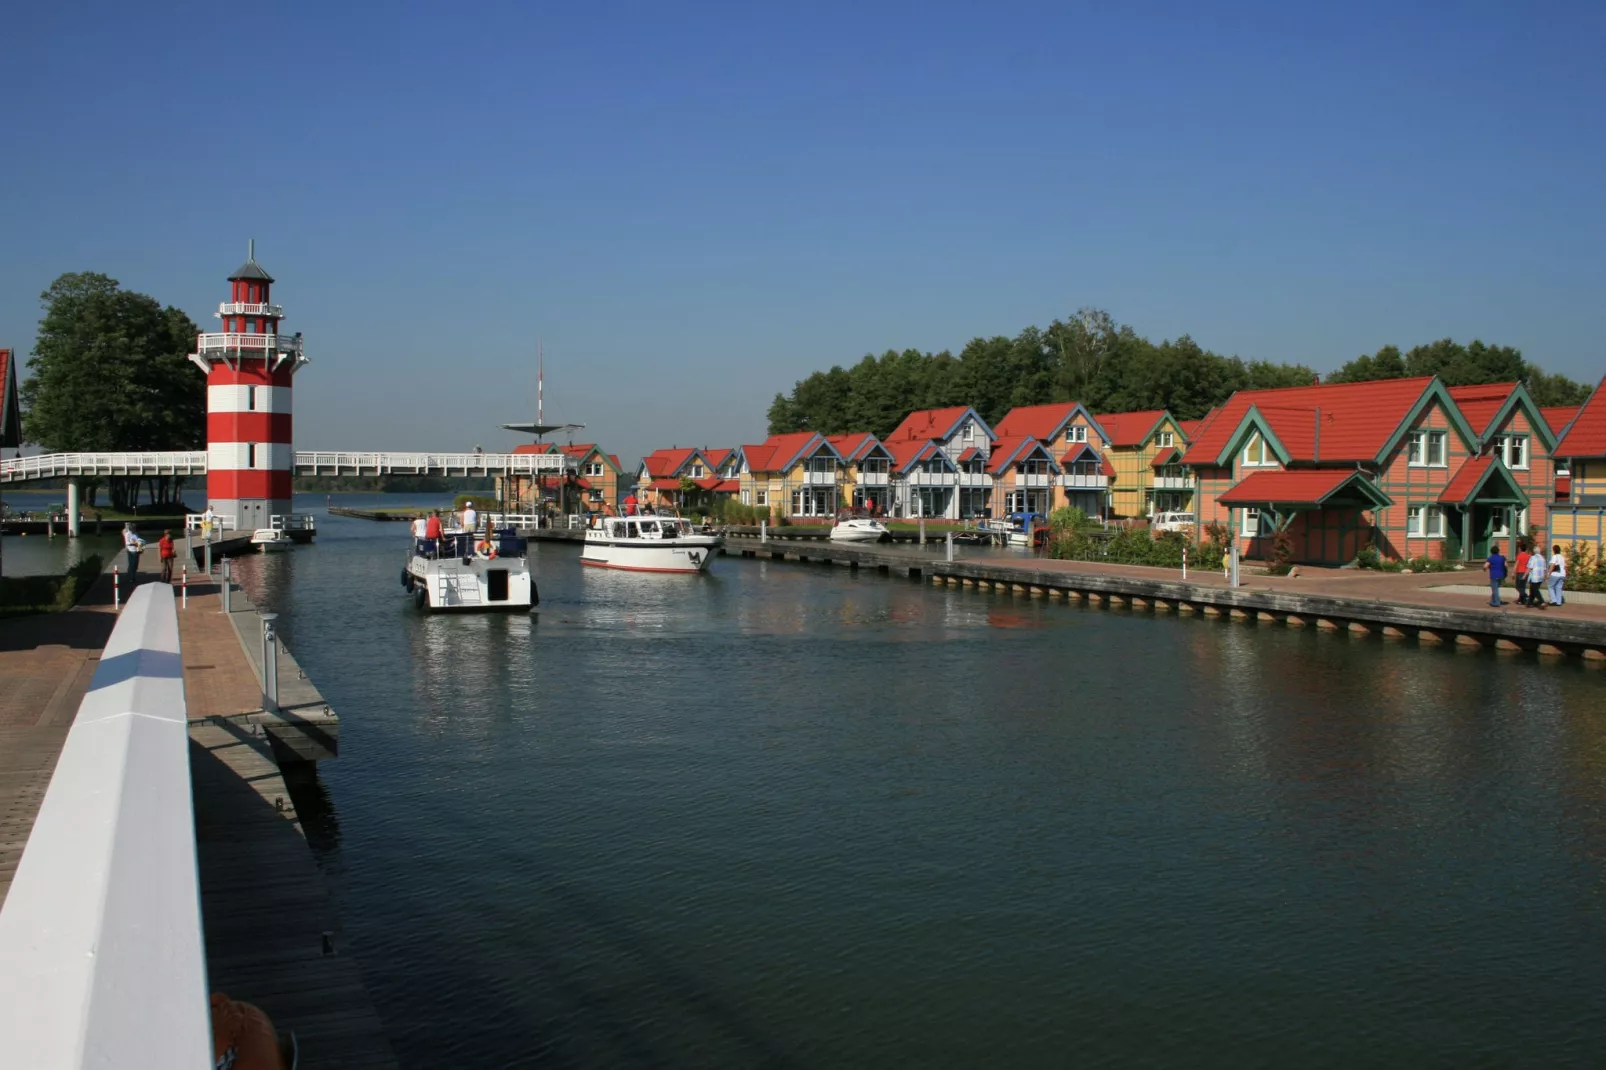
point(110, 372)
point(1110, 368)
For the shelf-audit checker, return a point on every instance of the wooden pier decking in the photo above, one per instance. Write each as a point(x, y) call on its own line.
point(1349, 600)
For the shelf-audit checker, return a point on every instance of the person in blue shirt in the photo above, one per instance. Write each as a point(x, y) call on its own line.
point(1495, 566)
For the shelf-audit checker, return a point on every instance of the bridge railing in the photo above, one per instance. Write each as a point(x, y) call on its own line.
point(100, 935)
point(324, 462)
point(130, 463)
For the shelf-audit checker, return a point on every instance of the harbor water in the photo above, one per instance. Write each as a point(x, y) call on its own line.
point(789, 815)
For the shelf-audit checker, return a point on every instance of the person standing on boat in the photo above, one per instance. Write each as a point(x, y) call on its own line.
point(420, 525)
point(432, 526)
point(471, 519)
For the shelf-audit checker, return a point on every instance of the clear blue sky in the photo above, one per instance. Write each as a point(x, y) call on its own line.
point(696, 204)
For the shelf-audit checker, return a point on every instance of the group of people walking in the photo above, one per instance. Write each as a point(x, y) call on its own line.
point(133, 546)
point(1534, 575)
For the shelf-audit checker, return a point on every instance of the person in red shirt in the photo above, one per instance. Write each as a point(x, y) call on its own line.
point(1520, 577)
point(164, 547)
point(432, 526)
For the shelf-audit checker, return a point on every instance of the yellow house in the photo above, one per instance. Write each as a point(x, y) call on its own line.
point(798, 475)
point(1145, 448)
point(1581, 518)
point(866, 480)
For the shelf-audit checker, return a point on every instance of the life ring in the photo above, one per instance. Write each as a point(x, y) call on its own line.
point(485, 548)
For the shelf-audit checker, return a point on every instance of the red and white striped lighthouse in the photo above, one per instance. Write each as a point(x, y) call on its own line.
point(249, 369)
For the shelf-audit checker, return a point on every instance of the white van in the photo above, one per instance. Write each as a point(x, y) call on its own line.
point(1173, 522)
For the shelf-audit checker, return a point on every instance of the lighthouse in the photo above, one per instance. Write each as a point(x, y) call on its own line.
point(250, 367)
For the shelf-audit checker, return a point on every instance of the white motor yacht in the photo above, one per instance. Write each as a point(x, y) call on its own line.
point(271, 540)
point(648, 544)
point(470, 570)
point(859, 529)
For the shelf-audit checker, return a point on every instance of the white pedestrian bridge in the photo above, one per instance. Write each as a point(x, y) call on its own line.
point(307, 463)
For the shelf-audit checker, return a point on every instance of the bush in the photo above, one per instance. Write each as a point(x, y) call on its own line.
point(23, 595)
point(1132, 546)
point(1282, 553)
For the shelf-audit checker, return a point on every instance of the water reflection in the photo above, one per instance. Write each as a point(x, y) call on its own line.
point(782, 812)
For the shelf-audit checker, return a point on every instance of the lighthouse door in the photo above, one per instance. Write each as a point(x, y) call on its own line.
point(253, 515)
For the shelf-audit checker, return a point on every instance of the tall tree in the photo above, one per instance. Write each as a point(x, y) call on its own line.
point(109, 372)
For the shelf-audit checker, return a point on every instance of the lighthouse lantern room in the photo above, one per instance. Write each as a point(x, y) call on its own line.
point(250, 368)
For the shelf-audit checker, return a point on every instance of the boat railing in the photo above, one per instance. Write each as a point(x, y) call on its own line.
point(460, 544)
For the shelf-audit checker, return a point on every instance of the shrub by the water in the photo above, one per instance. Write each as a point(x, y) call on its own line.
point(23, 595)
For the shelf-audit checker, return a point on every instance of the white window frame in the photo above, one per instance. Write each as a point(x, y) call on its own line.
point(1076, 433)
point(1267, 459)
point(1424, 522)
point(697, 471)
point(1167, 438)
point(969, 432)
point(1440, 439)
point(1518, 444)
point(1249, 524)
point(761, 497)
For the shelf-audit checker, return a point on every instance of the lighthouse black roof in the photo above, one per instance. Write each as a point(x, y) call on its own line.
point(251, 269)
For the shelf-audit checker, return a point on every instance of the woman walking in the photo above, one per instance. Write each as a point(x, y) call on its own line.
point(1537, 568)
point(1558, 573)
point(1519, 575)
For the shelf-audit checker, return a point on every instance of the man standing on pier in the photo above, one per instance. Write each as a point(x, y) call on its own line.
point(1495, 566)
point(134, 546)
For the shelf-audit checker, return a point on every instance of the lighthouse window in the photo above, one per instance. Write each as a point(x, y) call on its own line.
point(250, 454)
point(250, 399)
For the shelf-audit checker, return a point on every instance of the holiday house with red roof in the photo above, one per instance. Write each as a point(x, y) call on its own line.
point(1146, 448)
point(1343, 466)
point(939, 460)
point(1510, 425)
point(865, 482)
point(1581, 451)
point(1075, 441)
point(658, 481)
point(593, 488)
point(795, 475)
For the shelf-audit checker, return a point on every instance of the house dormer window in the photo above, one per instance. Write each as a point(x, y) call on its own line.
point(969, 433)
point(1512, 449)
point(1426, 449)
point(697, 471)
point(593, 468)
point(1167, 438)
point(1076, 433)
point(1256, 454)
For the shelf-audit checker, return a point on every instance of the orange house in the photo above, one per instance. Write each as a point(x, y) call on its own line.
point(1336, 468)
point(594, 488)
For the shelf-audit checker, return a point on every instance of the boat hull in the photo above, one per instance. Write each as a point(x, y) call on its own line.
point(449, 584)
point(686, 556)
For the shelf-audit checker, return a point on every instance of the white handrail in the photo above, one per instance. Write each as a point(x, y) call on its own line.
point(130, 463)
point(100, 935)
point(336, 462)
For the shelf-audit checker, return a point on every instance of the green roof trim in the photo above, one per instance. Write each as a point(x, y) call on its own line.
point(1541, 426)
point(1254, 420)
point(1436, 391)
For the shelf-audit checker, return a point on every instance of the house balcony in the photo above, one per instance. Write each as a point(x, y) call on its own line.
point(1078, 482)
point(237, 308)
point(932, 479)
point(975, 479)
point(819, 479)
point(1032, 481)
point(1173, 482)
point(873, 479)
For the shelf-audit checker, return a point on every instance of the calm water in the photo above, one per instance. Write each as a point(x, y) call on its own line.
point(784, 815)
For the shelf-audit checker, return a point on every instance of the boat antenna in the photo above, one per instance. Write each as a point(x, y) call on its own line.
point(540, 380)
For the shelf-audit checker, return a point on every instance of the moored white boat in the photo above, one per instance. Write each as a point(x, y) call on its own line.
point(859, 529)
point(464, 571)
point(271, 540)
point(648, 544)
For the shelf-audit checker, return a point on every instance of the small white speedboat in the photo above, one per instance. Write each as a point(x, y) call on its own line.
point(271, 540)
point(859, 529)
point(648, 544)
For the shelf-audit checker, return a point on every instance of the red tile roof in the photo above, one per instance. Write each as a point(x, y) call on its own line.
point(535, 447)
point(1190, 428)
point(1081, 451)
point(966, 455)
point(1356, 419)
point(1306, 486)
point(1166, 456)
point(1466, 478)
point(1587, 435)
point(718, 457)
point(1107, 468)
point(1007, 451)
point(1038, 421)
point(1129, 429)
point(853, 447)
point(778, 451)
point(1559, 416)
point(930, 423)
point(665, 484)
point(1480, 404)
point(664, 463)
point(906, 451)
point(718, 485)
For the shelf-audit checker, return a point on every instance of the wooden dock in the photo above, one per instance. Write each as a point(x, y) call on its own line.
point(1357, 602)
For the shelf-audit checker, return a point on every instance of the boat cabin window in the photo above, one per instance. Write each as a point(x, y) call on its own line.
point(649, 529)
